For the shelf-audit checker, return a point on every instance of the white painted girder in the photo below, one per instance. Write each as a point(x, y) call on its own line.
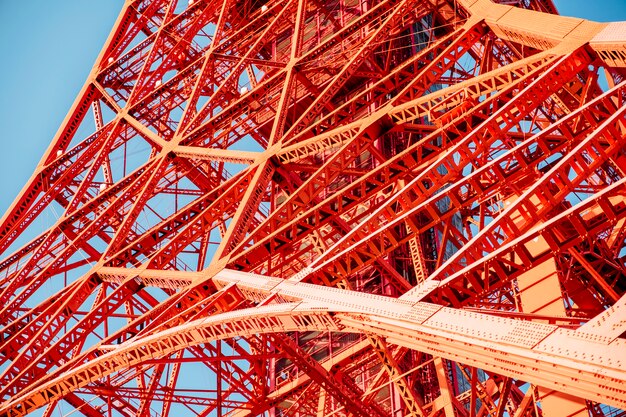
point(542, 354)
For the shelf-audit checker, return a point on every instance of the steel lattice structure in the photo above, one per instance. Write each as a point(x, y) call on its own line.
point(319, 208)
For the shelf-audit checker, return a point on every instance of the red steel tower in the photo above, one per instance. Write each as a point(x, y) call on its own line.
point(328, 208)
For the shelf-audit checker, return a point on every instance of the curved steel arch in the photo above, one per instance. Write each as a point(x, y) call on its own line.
point(457, 168)
point(494, 344)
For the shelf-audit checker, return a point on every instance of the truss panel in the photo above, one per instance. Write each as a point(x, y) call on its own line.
point(328, 208)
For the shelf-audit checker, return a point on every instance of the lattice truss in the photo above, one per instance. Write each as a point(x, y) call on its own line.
point(320, 208)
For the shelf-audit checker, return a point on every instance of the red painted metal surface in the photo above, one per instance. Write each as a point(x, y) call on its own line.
point(347, 207)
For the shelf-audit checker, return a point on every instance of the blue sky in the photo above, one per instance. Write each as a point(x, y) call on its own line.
point(47, 49)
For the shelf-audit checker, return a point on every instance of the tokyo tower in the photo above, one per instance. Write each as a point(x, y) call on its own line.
point(294, 208)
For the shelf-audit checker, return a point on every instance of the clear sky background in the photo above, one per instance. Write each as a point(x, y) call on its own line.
point(47, 48)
